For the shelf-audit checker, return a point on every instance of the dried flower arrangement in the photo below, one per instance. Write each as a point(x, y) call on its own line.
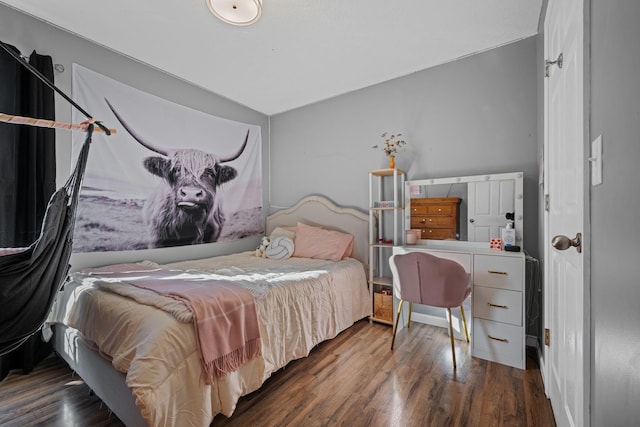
point(392, 143)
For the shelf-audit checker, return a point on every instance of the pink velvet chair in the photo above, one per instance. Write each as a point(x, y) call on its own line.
point(423, 278)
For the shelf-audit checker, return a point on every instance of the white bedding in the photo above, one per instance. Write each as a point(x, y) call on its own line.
point(300, 303)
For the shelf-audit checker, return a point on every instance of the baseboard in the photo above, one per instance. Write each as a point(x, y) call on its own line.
point(441, 322)
point(543, 371)
point(429, 319)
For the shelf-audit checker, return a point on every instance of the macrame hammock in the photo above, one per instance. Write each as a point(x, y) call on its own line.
point(31, 277)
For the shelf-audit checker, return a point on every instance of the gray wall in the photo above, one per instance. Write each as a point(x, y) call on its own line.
point(29, 34)
point(473, 116)
point(615, 225)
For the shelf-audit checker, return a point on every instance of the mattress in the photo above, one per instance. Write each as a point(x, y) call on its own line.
point(300, 302)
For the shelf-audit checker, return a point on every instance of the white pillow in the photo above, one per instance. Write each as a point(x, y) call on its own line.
point(279, 248)
point(282, 232)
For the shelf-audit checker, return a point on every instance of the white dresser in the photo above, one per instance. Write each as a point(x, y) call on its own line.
point(497, 299)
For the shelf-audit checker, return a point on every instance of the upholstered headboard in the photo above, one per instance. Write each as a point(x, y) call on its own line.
point(322, 212)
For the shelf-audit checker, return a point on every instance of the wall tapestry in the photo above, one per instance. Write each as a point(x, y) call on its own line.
point(170, 176)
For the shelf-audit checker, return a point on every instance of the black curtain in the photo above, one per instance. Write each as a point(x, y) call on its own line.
point(27, 172)
point(27, 153)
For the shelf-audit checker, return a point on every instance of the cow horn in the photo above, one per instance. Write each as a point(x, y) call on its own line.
point(134, 134)
point(235, 156)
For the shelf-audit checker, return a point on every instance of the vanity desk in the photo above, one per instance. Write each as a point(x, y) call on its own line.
point(497, 297)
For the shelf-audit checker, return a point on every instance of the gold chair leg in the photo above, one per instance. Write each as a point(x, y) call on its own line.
point(464, 322)
point(395, 327)
point(410, 311)
point(453, 349)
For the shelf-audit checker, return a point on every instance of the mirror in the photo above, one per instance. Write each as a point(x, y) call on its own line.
point(465, 208)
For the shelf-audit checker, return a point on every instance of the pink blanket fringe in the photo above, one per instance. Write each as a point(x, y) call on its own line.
point(233, 361)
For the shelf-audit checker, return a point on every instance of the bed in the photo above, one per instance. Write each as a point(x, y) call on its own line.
point(145, 364)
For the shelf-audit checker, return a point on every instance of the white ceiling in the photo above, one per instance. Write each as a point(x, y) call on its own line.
point(300, 51)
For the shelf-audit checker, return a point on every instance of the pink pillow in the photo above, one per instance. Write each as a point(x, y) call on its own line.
point(318, 243)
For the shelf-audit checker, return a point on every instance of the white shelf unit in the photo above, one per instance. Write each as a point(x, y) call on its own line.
point(386, 216)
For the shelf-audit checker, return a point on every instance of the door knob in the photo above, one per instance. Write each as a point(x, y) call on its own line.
point(562, 243)
point(472, 220)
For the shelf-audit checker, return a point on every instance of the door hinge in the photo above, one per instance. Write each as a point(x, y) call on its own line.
point(547, 337)
point(548, 64)
point(546, 202)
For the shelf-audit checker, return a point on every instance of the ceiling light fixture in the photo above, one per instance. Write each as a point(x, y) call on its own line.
point(236, 12)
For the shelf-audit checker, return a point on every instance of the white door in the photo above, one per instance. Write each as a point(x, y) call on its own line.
point(487, 205)
point(566, 359)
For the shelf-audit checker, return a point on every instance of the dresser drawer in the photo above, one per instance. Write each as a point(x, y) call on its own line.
point(440, 209)
point(438, 233)
point(418, 210)
point(498, 342)
point(497, 304)
point(498, 272)
point(432, 221)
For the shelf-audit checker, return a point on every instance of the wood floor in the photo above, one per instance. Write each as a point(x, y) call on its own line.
point(352, 380)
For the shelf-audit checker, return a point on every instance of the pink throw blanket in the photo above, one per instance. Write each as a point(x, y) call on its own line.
point(224, 314)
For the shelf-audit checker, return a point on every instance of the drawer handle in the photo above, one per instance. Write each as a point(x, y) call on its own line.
point(498, 339)
point(497, 306)
point(504, 273)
